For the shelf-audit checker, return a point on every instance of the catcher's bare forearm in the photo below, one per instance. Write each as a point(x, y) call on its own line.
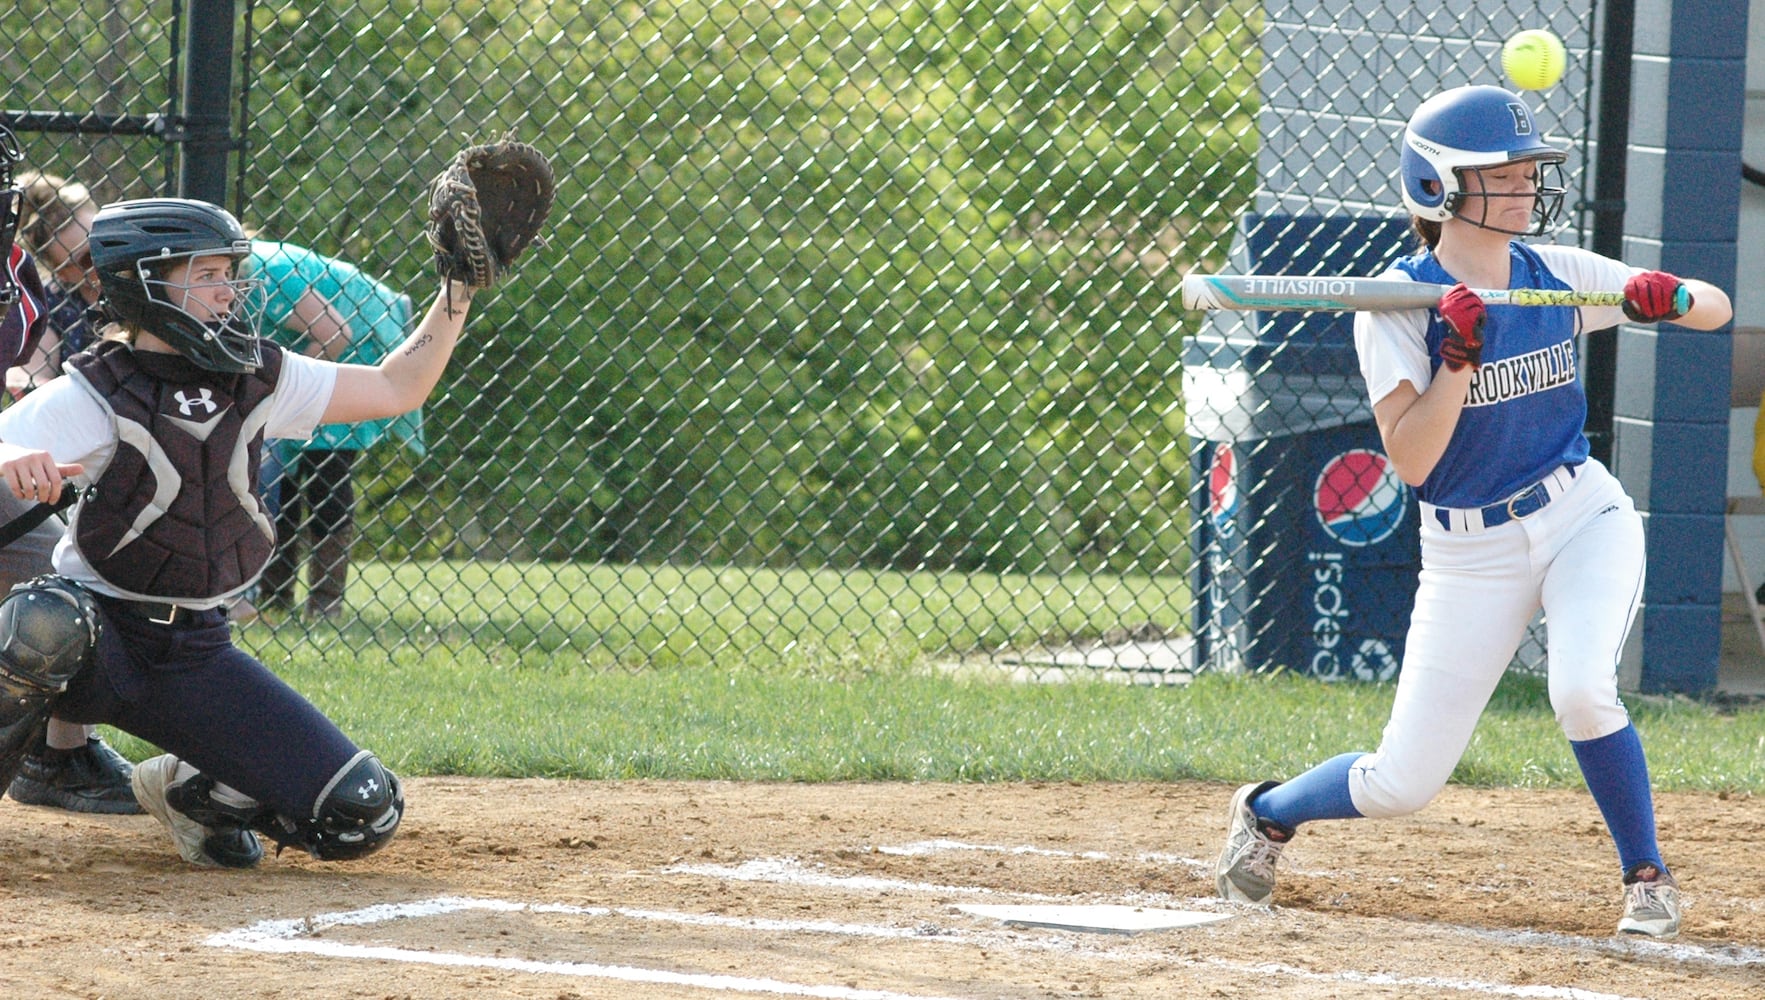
point(405, 378)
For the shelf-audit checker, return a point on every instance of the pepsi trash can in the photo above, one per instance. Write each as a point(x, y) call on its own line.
point(1307, 546)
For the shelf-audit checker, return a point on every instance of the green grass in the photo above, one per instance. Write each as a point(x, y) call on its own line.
point(459, 712)
point(815, 621)
point(518, 669)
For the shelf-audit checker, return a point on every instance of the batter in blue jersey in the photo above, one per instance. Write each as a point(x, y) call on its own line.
point(1481, 409)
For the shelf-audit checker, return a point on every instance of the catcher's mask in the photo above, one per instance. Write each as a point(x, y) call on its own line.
point(136, 244)
point(1465, 130)
point(10, 200)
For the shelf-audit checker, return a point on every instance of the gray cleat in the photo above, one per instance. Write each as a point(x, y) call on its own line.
point(1651, 902)
point(1246, 869)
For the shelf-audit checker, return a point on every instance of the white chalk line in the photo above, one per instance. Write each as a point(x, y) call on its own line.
point(292, 937)
point(790, 871)
point(1734, 956)
point(441, 905)
point(922, 848)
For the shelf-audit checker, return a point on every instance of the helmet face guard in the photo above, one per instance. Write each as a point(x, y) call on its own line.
point(135, 245)
point(1464, 131)
point(1546, 196)
point(225, 343)
point(11, 198)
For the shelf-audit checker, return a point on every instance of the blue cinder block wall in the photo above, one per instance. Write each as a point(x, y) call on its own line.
point(1682, 214)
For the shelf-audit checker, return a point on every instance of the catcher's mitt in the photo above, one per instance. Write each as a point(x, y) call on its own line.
point(486, 208)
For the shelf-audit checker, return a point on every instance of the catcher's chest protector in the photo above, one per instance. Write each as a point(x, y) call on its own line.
point(175, 515)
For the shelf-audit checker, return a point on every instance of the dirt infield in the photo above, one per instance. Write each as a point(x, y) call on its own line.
point(558, 890)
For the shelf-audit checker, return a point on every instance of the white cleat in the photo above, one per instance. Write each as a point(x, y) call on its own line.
point(154, 781)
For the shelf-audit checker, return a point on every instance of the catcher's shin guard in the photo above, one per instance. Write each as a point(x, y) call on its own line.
point(356, 814)
point(48, 634)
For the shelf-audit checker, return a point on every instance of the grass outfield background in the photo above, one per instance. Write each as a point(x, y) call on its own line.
point(862, 699)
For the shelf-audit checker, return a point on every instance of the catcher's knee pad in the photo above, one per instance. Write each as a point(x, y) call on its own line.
point(356, 814)
point(48, 634)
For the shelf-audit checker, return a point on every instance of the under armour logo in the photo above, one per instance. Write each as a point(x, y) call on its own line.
point(203, 398)
point(368, 789)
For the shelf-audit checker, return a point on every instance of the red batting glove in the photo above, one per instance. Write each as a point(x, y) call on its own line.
point(1655, 296)
point(1465, 315)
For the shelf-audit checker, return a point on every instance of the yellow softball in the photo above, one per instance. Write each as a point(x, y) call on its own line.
point(1534, 59)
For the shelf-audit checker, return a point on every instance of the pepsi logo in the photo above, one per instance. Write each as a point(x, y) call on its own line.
point(1359, 498)
point(1222, 490)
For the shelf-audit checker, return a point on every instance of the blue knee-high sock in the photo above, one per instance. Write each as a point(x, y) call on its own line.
point(1320, 793)
point(1617, 774)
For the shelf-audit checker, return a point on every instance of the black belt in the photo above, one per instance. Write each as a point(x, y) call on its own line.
point(164, 613)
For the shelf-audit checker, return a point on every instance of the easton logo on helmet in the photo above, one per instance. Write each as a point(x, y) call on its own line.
point(1359, 498)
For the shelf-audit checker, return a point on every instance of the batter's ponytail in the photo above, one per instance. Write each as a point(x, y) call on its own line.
point(1426, 230)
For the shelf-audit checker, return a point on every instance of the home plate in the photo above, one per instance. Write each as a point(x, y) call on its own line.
point(1096, 919)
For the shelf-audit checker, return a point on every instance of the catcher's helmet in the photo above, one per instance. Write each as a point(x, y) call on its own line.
point(11, 198)
point(135, 243)
point(1467, 129)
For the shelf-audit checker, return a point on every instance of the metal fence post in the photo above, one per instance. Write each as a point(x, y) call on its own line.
point(1613, 129)
point(208, 87)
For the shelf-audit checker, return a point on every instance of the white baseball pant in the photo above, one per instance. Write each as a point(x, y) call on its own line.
point(1581, 559)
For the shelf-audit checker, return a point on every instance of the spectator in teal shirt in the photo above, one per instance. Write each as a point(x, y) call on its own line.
point(324, 307)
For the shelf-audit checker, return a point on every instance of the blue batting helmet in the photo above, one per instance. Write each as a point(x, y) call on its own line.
point(1469, 128)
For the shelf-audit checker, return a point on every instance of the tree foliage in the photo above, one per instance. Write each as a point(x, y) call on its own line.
point(885, 285)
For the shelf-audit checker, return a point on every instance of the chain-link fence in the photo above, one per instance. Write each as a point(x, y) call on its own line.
point(858, 329)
